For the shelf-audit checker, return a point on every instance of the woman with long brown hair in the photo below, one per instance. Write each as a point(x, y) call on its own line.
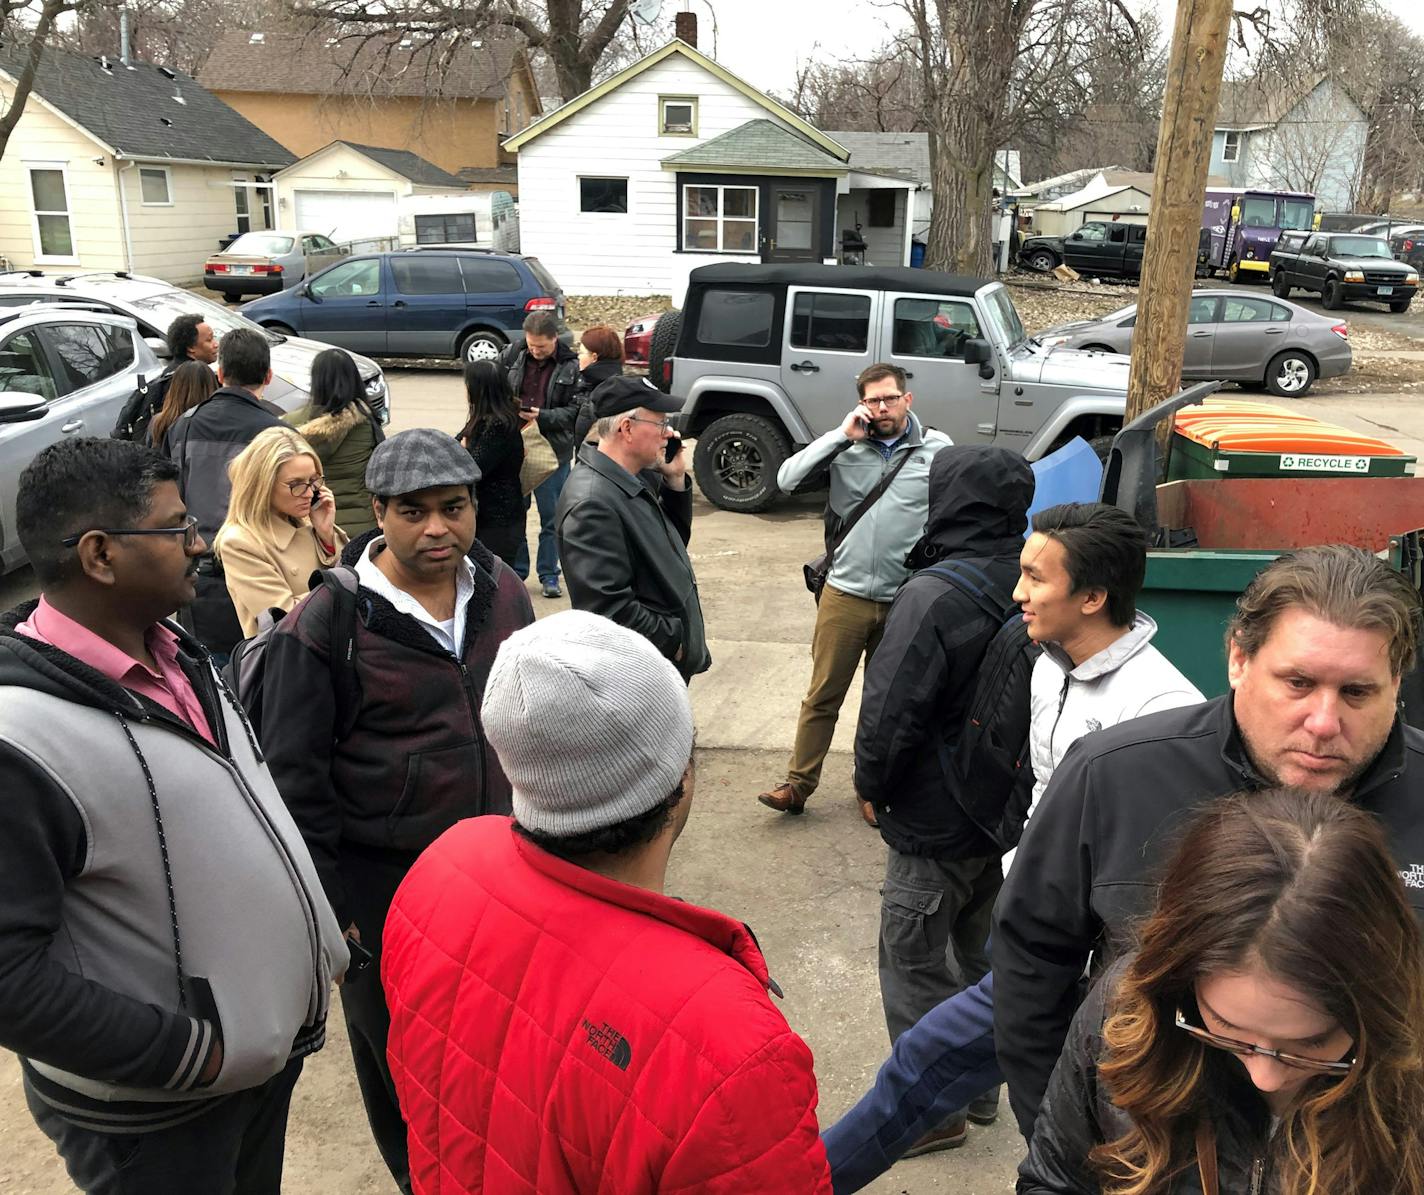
point(192, 383)
point(1266, 1037)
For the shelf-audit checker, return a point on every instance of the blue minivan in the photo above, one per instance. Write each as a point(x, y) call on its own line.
point(418, 303)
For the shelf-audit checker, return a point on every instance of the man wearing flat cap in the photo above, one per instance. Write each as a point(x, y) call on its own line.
point(624, 546)
point(372, 713)
point(560, 1023)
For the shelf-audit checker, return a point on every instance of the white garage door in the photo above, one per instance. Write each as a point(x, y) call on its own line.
point(347, 215)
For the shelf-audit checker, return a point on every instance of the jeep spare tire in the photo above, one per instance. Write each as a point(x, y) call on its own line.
point(736, 460)
point(663, 345)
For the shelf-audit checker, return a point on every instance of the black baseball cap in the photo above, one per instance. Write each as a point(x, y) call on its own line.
point(620, 394)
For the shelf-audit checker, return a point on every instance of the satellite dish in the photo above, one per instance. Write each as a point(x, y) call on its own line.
point(645, 11)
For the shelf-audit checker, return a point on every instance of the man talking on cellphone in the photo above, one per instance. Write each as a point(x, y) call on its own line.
point(624, 519)
point(879, 463)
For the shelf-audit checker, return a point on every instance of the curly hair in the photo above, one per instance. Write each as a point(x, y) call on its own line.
point(1304, 885)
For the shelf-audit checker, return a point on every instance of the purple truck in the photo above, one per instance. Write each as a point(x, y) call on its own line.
point(1240, 226)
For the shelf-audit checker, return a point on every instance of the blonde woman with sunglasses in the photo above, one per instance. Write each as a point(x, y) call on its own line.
point(1267, 1035)
point(280, 526)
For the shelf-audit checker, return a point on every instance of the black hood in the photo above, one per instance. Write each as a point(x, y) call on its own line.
point(979, 498)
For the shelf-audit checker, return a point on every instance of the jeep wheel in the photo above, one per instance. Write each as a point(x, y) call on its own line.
point(1042, 260)
point(1400, 306)
point(736, 461)
point(1102, 446)
point(1279, 287)
point(663, 345)
point(1330, 296)
point(1290, 374)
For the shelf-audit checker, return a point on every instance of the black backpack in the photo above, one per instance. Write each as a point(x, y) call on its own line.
point(139, 409)
point(246, 668)
point(989, 757)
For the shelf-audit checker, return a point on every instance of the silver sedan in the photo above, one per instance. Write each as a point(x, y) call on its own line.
point(1234, 337)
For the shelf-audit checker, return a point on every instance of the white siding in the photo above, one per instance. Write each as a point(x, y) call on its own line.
point(42, 137)
point(617, 137)
point(337, 168)
point(173, 242)
point(883, 246)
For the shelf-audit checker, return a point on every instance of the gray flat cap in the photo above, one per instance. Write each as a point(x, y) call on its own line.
point(419, 459)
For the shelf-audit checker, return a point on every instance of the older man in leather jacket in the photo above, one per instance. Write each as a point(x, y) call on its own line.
point(623, 538)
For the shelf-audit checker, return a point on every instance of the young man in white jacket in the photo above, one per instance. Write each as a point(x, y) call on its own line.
point(1079, 576)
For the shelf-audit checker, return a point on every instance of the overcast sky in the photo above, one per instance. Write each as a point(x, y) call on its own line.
point(764, 41)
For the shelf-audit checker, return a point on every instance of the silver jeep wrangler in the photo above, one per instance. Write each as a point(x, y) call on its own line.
point(765, 360)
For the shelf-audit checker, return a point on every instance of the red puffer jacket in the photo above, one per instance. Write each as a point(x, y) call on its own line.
point(554, 1031)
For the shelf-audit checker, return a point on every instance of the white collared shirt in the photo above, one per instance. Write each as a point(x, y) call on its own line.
point(450, 634)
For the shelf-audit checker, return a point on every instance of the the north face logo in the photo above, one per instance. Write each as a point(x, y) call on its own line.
point(1414, 876)
point(610, 1043)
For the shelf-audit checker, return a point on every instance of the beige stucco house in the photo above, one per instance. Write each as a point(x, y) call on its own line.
point(449, 102)
point(116, 166)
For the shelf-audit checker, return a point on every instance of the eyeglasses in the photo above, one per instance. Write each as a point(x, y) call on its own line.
point(189, 532)
point(664, 424)
point(299, 488)
point(1246, 1049)
point(885, 400)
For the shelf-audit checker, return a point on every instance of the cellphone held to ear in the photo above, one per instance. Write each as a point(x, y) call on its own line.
point(672, 448)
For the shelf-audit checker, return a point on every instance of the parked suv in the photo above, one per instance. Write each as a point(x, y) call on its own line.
point(64, 371)
point(154, 304)
point(417, 303)
point(765, 360)
point(1343, 267)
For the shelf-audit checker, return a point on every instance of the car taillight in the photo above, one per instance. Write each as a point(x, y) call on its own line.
point(542, 303)
point(667, 372)
point(216, 267)
point(1341, 331)
point(1408, 245)
point(267, 269)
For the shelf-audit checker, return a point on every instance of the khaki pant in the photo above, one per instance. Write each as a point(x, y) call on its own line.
point(846, 628)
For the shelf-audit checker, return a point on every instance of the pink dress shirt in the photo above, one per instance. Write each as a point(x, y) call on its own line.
point(169, 686)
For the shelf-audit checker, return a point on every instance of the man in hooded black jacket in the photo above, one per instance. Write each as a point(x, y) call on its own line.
point(942, 871)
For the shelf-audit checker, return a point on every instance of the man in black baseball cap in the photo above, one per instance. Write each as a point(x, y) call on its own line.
point(622, 537)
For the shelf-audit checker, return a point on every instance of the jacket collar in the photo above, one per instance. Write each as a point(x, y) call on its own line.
point(605, 466)
point(716, 929)
point(1113, 656)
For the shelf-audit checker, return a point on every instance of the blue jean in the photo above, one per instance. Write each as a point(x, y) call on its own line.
point(546, 495)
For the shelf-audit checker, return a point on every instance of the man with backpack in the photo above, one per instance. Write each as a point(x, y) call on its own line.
point(953, 642)
point(190, 338)
point(879, 463)
point(373, 729)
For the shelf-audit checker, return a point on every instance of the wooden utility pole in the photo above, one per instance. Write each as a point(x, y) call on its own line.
point(1194, 70)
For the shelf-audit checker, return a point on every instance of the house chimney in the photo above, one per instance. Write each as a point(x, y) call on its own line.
point(124, 35)
point(684, 26)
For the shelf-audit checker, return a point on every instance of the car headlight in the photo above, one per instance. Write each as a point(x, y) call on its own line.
point(637, 329)
point(1411, 279)
point(1053, 342)
point(1251, 253)
point(1354, 276)
point(375, 387)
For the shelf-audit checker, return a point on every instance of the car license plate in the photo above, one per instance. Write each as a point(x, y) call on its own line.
point(242, 269)
point(1385, 290)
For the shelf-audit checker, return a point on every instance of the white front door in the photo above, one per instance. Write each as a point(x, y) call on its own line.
point(347, 215)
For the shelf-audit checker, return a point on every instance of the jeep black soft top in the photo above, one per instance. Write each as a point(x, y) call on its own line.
point(838, 277)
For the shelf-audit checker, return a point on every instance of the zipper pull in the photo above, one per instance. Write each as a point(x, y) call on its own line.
point(1258, 1171)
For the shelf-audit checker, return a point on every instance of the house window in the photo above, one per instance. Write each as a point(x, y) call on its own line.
point(455, 228)
point(264, 196)
point(53, 236)
point(677, 116)
point(880, 209)
point(155, 187)
point(603, 195)
point(1231, 147)
point(719, 219)
point(240, 200)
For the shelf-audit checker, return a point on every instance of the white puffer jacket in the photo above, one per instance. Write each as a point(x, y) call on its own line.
point(1125, 680)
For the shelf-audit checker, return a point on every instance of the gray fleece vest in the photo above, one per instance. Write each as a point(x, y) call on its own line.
point(251, 916)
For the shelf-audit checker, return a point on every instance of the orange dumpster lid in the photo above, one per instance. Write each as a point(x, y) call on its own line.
point(1289, 437)
point(1213, 408)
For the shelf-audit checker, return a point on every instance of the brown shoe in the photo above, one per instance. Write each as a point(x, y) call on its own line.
point(951, 1136)
point(784, 799)
point(867, 811)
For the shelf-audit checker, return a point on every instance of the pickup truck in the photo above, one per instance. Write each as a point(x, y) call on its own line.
point(1342, 267)
point(765, 359)
point(1097, 248)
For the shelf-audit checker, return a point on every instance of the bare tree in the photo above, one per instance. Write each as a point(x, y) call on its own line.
point(176, 33)
point(878, 94)
point(26, 27)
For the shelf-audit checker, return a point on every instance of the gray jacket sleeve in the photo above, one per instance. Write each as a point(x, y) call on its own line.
point(795, 471)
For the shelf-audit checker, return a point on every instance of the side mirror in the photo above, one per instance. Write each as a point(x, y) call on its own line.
point(305, 291)
point(19, 407)
point(159, 347)
point(978, 352)
point(1077, 236)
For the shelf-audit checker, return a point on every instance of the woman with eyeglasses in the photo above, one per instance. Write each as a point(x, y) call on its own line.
point(1266, 1036)
point(280, 526)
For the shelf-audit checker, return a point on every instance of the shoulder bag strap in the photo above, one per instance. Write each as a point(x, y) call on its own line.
point(1206, 1157)
point(865, 504)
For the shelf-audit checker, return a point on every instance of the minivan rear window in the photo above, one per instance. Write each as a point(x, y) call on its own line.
point(736, 317)
point(541, 275)
point(486, 276)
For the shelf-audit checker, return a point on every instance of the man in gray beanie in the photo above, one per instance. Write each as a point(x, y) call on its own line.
point(372, 712)
point(558, 1023)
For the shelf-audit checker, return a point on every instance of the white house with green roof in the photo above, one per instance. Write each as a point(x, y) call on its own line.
point(675, 162)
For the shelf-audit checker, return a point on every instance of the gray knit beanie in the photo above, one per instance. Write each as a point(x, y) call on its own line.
point(592, 726)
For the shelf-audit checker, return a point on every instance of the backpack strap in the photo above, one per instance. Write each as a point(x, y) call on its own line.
point(975, 583)
point(343, 586)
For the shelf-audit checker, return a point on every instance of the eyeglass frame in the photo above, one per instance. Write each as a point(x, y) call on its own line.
point(189, 532)
point(1244, 1049)
point(885, 400)
point(665, 424)
point(298, 488)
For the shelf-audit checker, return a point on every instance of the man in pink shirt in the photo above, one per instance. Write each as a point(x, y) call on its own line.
point(166, 953)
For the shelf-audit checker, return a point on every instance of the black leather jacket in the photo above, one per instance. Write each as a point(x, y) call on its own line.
point(1077, 1115)
point(624, 553)
point(561, 408)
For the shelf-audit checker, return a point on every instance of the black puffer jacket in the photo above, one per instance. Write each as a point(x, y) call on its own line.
point(920, 681)
point(589, 381)
point(561, 407)
point(1077, 1116)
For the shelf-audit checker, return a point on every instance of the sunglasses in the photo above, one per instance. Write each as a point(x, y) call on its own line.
point(1244, 1049)
point(189, 532)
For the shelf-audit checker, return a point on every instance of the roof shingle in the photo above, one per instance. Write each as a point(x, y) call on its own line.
point(144, 111)
point(757, 144)
point(409, 165)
